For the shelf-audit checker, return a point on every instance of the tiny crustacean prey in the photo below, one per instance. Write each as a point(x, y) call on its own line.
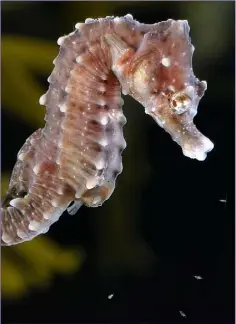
point(76, 157)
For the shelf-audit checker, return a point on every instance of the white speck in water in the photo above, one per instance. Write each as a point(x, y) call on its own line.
point(110, 296)
point(182, 313)
point(198, 277)
point(223, 200)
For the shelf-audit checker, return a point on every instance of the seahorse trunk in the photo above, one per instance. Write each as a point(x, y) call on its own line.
point(77, 156)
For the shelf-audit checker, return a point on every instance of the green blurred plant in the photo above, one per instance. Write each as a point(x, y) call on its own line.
point(22, 57)
point(13, 5)
point(33, 264)
point(213, 47)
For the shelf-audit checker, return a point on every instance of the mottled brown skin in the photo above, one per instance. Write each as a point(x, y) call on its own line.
point(77, 156)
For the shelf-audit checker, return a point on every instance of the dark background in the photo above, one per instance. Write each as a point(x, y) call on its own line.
point(164, 224)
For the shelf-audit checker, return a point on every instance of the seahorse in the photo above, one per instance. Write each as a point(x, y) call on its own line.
point(76, 158)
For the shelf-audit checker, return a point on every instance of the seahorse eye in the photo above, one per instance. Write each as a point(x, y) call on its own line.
point(180, 103)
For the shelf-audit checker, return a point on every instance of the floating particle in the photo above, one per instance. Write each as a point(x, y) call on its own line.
point(110, 296)
point(223, 200)
point(182, 313)
point(198, 277)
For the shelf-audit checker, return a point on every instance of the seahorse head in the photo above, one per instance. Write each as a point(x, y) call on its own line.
point(164, 82)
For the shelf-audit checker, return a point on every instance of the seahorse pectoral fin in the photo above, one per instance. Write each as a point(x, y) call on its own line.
point(72, 210)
